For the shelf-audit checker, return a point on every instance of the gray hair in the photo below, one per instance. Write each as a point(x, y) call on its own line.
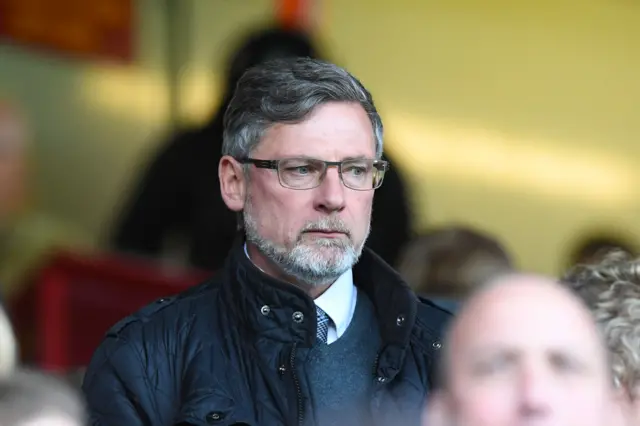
point(287, 91)
point(611, 289)
point(589, 281)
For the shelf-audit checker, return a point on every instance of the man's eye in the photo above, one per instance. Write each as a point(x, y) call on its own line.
point(565, 364)
point(357, 171)
point(301, 169)
point(492, 366)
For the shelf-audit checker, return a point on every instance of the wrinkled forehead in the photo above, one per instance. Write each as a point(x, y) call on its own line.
point(332, 131)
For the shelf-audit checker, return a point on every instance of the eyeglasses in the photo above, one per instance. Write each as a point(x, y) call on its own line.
point(308, 173)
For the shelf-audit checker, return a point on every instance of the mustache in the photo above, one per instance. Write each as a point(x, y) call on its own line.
point(329, 224)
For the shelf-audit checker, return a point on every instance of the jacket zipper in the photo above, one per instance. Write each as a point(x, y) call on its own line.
point(296, 382)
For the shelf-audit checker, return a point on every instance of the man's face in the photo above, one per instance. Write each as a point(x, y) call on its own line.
point(527, 355)
point(314, 234)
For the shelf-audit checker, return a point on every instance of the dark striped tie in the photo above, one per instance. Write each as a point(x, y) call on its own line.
point(323, 325)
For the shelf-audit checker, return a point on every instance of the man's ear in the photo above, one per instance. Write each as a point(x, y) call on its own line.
point(233, 185)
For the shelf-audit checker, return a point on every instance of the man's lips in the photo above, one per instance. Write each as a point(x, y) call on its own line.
point(326, 234)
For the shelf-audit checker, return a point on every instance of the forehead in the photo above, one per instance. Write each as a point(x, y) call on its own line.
point(332, 131)
point(526, 318)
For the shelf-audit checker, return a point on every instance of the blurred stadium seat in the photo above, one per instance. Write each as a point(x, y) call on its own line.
point(77, 298)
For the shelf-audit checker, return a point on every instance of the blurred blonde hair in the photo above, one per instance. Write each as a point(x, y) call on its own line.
point(611, 290)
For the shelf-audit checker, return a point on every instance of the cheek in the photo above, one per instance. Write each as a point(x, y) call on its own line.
point(360, 210)
point(587, 406)
point(280, 212)
point(486, 407)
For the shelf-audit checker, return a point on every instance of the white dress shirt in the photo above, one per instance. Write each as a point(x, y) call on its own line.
point(339, 303)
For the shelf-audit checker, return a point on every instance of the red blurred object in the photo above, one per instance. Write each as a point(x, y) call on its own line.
point(78, 298)
point(97, 29)
point(292, 14)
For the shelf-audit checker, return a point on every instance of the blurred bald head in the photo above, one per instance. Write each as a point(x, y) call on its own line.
point(525, 351)
point(13, 157)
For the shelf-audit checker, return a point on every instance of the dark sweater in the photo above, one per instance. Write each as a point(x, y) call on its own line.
point(341, 374)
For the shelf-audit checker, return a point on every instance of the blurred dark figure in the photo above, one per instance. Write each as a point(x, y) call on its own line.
point(446, 264)
point(30, 399)
point(179, 196)
point(594, 249)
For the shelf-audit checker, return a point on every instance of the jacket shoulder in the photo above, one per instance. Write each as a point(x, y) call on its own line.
point(169, 311)
point(141, 353)
point(432, 318)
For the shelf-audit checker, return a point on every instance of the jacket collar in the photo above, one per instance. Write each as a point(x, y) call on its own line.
point(275, 309)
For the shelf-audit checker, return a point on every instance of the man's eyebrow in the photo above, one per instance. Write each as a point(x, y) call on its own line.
point(358, 157)
point(566, 352)
point(484, 351)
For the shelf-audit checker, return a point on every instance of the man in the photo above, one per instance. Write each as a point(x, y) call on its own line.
point(524, 351)
point(178, 199)
point(303, 326)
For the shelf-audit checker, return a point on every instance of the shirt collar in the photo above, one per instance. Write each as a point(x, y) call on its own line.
point(338, 301)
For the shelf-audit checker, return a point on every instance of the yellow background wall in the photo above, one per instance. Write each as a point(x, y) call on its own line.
point(519, 117)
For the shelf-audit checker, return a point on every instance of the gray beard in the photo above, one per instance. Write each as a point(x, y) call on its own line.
point(314, 262)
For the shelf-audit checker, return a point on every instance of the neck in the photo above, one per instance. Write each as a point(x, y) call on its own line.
point(268, 267)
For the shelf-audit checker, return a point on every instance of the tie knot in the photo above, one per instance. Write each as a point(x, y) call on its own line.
point(323, 325)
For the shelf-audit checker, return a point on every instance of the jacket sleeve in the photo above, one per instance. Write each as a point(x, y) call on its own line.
point(117, 387)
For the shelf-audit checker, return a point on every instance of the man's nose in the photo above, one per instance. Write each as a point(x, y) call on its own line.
point(535, 394)
point(330, 194)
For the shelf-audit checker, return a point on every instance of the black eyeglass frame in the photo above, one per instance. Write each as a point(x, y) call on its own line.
point(380, 165)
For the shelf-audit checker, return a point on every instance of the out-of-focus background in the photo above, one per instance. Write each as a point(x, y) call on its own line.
point(516, 119)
